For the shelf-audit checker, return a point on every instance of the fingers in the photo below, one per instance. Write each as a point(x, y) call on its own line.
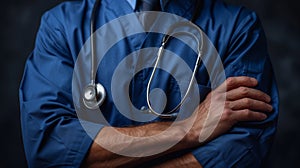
point(244, 92)
point(235, 82)
point(243, 102)
point(251, 104)
point(248, 115)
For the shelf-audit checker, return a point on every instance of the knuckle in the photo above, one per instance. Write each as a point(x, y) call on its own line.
point(244, 91)
point(246, 101)
point(230, 81)
point(260, 93)
point(247, 113)
point(227, 104)
point(227, 114)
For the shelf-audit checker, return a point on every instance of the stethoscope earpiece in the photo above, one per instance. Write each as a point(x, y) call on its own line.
point(94, 96)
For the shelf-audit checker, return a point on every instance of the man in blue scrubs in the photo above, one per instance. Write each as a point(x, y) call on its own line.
point(54, 137)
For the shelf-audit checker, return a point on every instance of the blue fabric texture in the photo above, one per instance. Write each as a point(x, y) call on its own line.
point(52, 133)
point(134, 2)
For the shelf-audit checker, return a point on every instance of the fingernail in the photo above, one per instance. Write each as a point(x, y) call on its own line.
point(268, 98)
point(253, 80)
point(263, 116)
point(270, 108)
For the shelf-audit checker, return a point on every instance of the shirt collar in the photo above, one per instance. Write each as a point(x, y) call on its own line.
point(133, 3)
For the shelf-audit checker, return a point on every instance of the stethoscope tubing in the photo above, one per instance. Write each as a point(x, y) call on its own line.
point(166, 38)
point(94, 94)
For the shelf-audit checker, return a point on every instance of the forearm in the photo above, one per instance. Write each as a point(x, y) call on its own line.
point(187, 160)
point(122, 142)
point(136, 145)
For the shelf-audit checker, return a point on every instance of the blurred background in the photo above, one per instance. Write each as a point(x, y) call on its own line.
point(20, 20)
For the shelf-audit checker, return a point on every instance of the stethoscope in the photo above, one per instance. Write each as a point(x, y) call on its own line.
point(94, 94)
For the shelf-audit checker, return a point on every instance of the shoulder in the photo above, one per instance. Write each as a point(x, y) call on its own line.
point(233, 14)
point(225, 23)
point(239, 19)
point(68, 11)
point(217, 15)
point(61, 21)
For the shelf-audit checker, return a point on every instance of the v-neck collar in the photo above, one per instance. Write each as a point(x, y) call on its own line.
point(178, 7)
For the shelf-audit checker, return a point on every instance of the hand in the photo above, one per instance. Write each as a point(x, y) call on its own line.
point(233, 101)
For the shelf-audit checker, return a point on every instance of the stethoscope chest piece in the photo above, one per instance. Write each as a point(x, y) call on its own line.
point(94, 96)
point(94, 93)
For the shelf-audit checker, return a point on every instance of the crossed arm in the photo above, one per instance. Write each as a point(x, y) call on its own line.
point(242, 103)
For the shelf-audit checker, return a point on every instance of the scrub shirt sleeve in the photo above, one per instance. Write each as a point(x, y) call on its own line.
point(247, 144)
point(52, 133)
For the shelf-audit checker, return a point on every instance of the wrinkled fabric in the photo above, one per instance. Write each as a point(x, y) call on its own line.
point(52, 133)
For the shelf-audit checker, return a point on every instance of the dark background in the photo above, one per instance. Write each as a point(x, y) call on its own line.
point(281, 21)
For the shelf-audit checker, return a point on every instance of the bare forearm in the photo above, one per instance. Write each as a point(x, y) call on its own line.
point(137, 145)
point(136, 141)
point(187, 160)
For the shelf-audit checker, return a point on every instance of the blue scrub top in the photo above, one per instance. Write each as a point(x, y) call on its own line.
point(52, 134)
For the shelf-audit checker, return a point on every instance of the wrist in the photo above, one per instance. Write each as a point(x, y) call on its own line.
point(191, 136)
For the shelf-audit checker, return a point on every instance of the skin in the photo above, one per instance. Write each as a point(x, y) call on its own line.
point(242, 103)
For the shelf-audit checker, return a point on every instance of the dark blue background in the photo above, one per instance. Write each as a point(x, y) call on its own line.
point(281, 21)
